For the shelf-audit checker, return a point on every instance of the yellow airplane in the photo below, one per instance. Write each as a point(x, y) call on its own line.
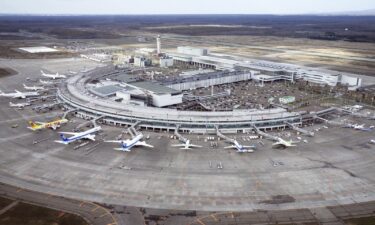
point(40, 125)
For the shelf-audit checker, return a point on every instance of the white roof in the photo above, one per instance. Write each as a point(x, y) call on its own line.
point(40, 49)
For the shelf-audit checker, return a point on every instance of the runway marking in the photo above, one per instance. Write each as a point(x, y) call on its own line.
point(103, 215)
point(8, 207)
point(200, 222)
point(94, 209)
point(108, 212)
point(214, 217)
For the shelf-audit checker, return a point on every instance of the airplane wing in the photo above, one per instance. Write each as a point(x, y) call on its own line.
point(69, 133)
point(142, 143)
point(196, 146)
point(249, 146)
point(178, 145)
point(122, 149)
point(90, 137)
point(117, 141)
point(231, 146)
point(61, 142)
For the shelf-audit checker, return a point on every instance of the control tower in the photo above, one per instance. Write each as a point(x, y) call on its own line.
point(158, 45)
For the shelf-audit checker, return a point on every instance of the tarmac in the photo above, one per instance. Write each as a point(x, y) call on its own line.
point(334, 168)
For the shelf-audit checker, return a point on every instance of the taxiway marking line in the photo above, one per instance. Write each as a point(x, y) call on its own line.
point(214, 217)
point(200, 222)
point(103, 215)
point(94, 209)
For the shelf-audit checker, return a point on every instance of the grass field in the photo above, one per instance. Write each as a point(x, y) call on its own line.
point(26, 214)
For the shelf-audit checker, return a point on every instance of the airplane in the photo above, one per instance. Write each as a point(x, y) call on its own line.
point(72, 72)
point(372, 141)
point(53, 76)
point(45, 81)
point(41, 125)
point(359, 127)
point(187, 145)
point(19, 105)
point(126, 145)
point(33, 88)
point(282, 143)
point(241, 148)
point(88, 134)
point(18, 94)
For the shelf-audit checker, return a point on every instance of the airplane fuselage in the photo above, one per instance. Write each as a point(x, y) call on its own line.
point(89, 134)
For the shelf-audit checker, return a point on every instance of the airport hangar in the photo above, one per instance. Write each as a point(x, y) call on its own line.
point(76, 94)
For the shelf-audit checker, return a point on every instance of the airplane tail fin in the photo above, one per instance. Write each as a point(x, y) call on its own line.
point(62, 136)
point(32, 124)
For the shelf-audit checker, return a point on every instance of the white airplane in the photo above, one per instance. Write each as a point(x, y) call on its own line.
point(372, 141)
point(52, 76)
point(187, 145)
point(285, 144)
point(72, 72)
point(18, 94)
point(46, 81)
point(33, 88)
point(89, 134)
point(126, 145)
point(359, 127)
point(19, 105)
point(242, 148)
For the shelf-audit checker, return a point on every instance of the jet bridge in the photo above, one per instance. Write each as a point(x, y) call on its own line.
point(334, 123)
point(132, 131)
point(69, 111)
point(263, 134)
point(298, 129)
point(180, 137)
point(219, 134)
point(93, 121)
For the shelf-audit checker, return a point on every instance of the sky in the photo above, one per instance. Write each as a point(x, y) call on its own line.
point(126, 7)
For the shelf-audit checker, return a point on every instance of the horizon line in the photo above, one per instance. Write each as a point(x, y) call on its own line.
point(188, 14)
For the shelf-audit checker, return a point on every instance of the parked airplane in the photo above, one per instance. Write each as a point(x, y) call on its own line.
point(242, 148)
point(41, 125)
point(19, 105)
point(45, 81)
point(33, 88)
point(285, 144)
point(359, 127)
point(372, 141)
point(187, 145)
point(126, 145)
point(18, 94)
point(72, 72)
point(53, 76)
point(89, 134)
